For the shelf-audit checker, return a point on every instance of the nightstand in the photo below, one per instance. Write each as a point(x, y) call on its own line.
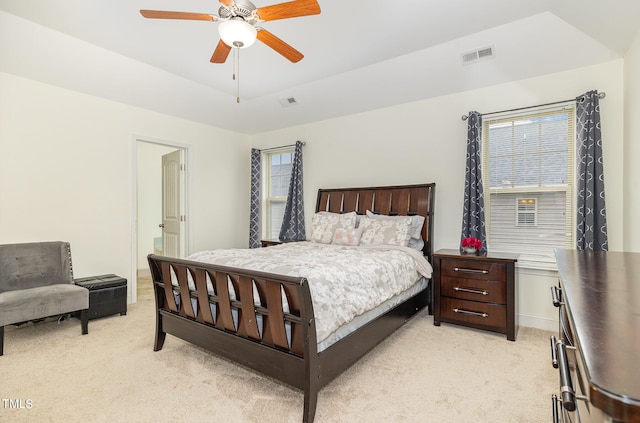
point(478, 291)
point(269, 242)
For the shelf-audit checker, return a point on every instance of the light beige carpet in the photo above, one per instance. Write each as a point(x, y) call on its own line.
point(422, 373)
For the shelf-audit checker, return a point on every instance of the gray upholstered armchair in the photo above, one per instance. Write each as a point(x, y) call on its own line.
point(36, 281)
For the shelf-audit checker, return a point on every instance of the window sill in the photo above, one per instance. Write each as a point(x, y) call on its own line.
point(526, 264)
point(537, 266)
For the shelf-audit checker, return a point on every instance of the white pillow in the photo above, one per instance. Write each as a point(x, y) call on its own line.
point(390, 231)
point(416, 242)
point(324, 225)
point(345, 236)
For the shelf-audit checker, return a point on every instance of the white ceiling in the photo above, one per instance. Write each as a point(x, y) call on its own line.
point(359, 55)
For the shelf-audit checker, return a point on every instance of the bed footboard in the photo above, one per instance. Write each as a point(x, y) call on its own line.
point(260, 320)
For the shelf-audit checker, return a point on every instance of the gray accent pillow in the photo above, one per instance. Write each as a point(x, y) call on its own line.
point(416, 242)
point(380, 232)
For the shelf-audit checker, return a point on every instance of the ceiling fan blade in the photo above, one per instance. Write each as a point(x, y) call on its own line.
point(221, 53)
point(160, 14)
point(289, 9)
point(227, 2)
point(280, 46)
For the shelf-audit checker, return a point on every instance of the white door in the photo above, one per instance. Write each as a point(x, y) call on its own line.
point(173, 204)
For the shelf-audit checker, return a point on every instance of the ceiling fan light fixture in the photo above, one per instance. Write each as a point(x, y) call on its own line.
point(237, 33)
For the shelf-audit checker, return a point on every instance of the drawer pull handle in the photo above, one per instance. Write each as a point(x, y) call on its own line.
point(473, 313)
point(554, 408)
point(566, 389)
point(554, 353)
point(463, 269)
point(471, 291)
point(555, 295)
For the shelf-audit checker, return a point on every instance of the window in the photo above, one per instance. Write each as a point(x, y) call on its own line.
point(528, 176)
point(276, 176)
point(527, 215)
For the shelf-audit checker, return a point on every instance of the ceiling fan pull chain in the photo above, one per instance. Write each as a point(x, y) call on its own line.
point(233, 71)
point(238, 77)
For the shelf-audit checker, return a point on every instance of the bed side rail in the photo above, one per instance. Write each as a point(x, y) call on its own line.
point(254, 309)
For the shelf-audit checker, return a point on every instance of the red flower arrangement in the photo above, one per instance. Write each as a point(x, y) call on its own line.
point(472, 242)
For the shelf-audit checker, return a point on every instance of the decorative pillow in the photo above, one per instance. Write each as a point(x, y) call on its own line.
point(344, 236)
point(324, 225)
point(390, 231)
point(416, 242)
point(358, 216)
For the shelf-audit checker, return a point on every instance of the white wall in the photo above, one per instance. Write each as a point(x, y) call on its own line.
point(632, 146)
point(66, 174)
point(426, 142)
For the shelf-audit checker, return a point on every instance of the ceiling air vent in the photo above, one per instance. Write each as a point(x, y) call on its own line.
point(479, 54)
point(286, 102)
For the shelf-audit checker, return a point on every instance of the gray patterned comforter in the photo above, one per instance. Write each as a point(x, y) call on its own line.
point(344, 281)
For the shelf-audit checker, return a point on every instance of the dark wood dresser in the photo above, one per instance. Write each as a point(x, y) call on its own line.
point(475, 290)
point(598, 349)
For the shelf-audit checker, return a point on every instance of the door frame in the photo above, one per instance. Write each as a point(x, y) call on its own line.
point(135, 139)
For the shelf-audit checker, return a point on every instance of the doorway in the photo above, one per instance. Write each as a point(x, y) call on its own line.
point(149, 205)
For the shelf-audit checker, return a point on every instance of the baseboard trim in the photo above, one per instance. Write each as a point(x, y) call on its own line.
point(143, 272)
point(538, 322)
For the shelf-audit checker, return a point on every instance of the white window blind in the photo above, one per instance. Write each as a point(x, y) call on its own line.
point(528, 175)
point(277, 175)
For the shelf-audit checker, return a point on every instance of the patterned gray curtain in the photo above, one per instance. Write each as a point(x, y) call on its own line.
point(591, 212)
point(293, 221)
point(254, 222)
point(473, 212)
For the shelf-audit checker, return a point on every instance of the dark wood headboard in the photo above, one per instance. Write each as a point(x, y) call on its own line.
point(402, 200)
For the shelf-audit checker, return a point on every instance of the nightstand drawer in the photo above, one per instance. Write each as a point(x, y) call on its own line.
point(486, 291)
point(472, 313)
point(474, 269)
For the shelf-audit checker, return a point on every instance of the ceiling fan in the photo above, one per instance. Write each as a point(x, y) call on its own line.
point(238, 19)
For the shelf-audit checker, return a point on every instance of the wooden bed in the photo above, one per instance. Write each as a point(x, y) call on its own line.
point(291, 358)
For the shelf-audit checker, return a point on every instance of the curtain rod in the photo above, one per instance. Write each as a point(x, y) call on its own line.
point(281, 147)
point(600, 96)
